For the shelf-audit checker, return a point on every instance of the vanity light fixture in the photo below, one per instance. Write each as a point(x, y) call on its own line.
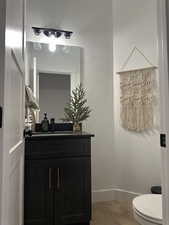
point(68, 34)
point(37, 31)
point(49, 32)
point(58, 34)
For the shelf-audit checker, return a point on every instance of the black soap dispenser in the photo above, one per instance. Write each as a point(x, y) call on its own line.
point(45, 123)
point(52, 124)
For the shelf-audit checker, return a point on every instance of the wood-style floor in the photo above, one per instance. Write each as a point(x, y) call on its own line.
point(113, 213)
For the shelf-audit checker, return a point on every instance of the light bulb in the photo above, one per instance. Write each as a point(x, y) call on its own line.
point(52, 47)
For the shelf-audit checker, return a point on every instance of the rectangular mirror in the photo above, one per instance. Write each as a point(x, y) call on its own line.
point(54, 73)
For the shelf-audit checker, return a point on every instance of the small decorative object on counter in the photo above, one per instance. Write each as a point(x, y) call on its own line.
point(76, 110)
point(31, 107)
point(76, 127)
point(27, 132)
point(52, 124)
point(45, 123)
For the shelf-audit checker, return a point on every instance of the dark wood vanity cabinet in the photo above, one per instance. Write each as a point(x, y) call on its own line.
point(58, 180)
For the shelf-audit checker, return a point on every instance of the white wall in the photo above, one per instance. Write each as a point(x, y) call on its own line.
point(137, 155)
point(92, 24)
point(54, 93)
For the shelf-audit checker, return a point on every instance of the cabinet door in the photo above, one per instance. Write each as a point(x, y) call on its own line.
point(38, 192)
point(75, 189)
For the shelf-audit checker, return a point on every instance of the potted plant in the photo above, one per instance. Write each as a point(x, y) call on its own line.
point(76, 110)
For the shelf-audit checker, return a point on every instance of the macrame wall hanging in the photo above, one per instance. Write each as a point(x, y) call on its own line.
point(138, 96)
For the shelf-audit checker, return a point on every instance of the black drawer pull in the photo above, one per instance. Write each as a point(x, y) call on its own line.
point(58, 179)
point(0, 117)
point(50, 178)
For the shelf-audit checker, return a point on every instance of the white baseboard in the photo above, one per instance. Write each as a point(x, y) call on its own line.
point(113, 194)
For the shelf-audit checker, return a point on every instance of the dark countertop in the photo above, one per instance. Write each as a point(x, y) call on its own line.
point(59, 134)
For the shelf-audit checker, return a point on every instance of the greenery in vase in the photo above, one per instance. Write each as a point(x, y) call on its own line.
point(76, 110)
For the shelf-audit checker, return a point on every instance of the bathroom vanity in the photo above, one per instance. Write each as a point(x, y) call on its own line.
point(58, 179)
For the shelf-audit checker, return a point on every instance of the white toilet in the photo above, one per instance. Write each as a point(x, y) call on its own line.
point(147, 209)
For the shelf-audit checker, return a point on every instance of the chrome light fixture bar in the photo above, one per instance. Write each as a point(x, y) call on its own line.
point(49, 32)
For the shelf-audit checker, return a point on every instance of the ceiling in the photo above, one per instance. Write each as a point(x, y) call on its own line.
point(80, 16)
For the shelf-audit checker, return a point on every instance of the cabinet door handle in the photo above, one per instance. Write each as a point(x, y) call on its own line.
point(58, 179)
point(1, 116)
point(50, 178)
